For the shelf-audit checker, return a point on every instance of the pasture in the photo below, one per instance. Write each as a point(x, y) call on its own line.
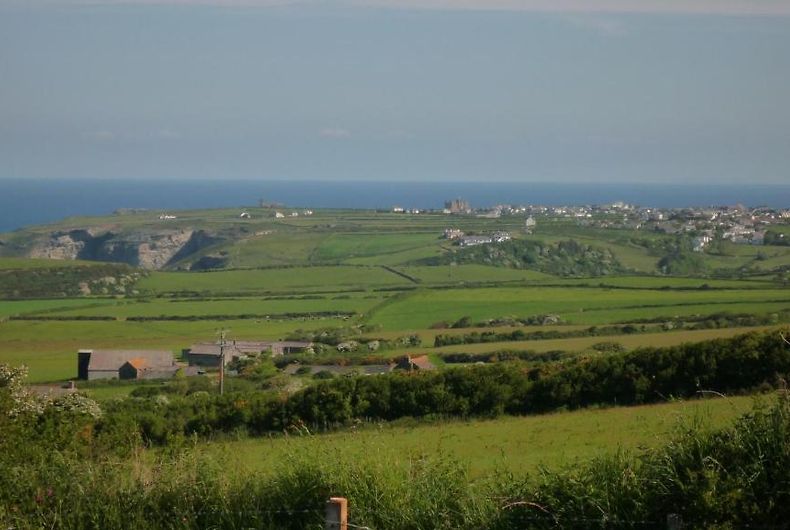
point(26, 307)
point(512, 444)
point(473, 274)
point(420, 309)
point(336, 247)
point(581, 344)
point(228, 307)
point(275, 280)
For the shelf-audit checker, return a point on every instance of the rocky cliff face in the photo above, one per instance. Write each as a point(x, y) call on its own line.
point(149, 250)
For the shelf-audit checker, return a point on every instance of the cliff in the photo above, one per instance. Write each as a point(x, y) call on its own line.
point(149, 249)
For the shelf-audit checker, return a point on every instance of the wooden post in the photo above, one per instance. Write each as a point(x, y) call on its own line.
point(222, 363)
point(336, 514)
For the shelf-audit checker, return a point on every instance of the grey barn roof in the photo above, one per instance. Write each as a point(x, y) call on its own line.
point(110, 360)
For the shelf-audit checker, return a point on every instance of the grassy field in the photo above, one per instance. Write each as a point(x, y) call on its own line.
point(25, 307)
point(630, 314)
point(512, 444)
point(665, 282)
point(322, 279)
point(347, 246)
point(472, 273)
point(231, 306)
point(48, 348)
point(580, 344)
point(420, 309)
point(399, 258)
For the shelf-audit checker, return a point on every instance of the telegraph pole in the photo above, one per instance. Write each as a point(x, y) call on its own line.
point(222, 362)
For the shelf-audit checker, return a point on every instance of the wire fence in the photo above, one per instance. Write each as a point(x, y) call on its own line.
point(336, 517)
point(338, 509)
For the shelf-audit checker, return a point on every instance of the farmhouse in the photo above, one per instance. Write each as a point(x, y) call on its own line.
point(125, 364)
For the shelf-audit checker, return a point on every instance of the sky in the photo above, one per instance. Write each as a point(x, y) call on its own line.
point(587, 91)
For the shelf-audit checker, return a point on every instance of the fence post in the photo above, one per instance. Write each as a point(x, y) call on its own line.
point(336, 514)
point(674, 522)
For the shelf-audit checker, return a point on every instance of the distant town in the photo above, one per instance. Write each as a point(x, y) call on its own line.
point(737, 224)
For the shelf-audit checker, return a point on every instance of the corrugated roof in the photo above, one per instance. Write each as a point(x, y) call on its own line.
point(292, 344)
point(137, 362)
point(204, 348)
point(422, 362)
point(104, 360)
point(250, 346)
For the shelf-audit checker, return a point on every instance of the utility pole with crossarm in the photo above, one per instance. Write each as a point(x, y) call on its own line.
point(222, 361)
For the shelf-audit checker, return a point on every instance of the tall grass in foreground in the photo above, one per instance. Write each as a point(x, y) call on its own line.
point(727, 478)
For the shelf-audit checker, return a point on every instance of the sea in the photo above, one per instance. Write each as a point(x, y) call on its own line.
point(37, 201)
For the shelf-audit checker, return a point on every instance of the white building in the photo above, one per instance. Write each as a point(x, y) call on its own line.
point(530, 224)
point(453, 233)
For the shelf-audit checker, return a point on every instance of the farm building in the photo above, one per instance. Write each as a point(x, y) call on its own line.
point(470, 241)
point(139, 368)
point(420, 362)
point(289, 347)
point(208, 353)
point(125, 364)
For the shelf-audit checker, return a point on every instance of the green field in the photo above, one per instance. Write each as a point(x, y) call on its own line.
point(421, 309)
point(231, 307)
point(580, 344)
point(337, 247)
point(285, 280)
point(512, 444)
point(472, 273)
point(665, 282)
point(25, 307)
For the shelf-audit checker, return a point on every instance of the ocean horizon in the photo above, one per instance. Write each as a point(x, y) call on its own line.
point(26, 202)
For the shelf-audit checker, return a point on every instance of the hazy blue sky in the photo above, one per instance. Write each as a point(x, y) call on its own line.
point(543, 90)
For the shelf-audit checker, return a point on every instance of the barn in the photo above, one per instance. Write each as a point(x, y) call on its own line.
point(124, 364)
